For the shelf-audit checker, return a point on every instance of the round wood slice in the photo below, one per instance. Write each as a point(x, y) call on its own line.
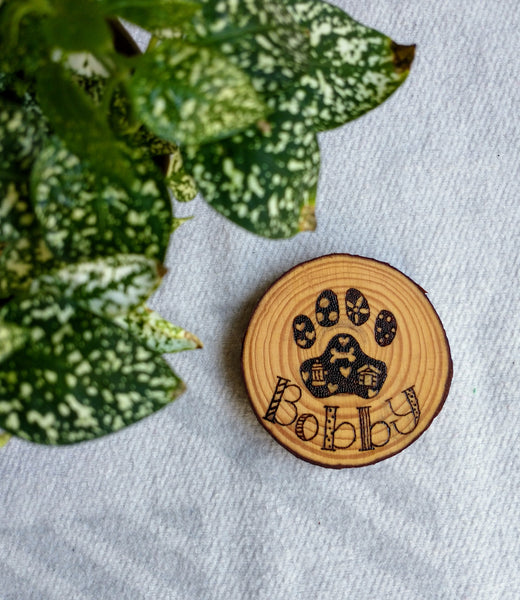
point(345, 361)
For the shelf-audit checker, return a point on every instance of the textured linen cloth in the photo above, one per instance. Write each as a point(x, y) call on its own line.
point(198, 502)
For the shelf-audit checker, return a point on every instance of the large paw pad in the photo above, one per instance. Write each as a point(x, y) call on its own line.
point(343, 367)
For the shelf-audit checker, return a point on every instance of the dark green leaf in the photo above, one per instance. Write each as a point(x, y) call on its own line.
point(352, 68)
point(158, 16)
point(186, 94)
point(84, 217)
point(22, 42)
point(82, 125)
point(264, 179)
point(77, 26)
point(79, 377)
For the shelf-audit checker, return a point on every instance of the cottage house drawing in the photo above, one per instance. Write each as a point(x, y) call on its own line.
point(368, 376)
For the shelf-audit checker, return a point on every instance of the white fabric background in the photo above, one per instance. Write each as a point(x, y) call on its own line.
point(199, 502)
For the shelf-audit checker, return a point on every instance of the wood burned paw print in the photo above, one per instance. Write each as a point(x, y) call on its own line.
point(343, 368)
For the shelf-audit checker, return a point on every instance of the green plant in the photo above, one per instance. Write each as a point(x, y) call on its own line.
point(233, 94)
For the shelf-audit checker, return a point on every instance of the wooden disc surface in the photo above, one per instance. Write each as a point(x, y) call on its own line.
point(345, 361)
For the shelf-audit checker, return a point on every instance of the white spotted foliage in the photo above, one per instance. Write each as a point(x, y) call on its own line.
point(108, 286)
point(264, 178)
point(261, 38)
point(23, 252)
point(228, 99)
point(84, 216)
point(352, 68)
point(155, 332)
point(79, 376)
point(192, 95)
point(12, 338)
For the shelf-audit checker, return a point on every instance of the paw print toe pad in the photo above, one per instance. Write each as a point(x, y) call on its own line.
point(385, 328)
point(327, 309)
point(303, 331)
point(358, 310)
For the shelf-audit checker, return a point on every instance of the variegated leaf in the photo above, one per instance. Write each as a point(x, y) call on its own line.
point(154, 144)
point(107, 286)
point(155, 332)
point(12, 338)
point(21, 135)
point(189, 94)
point(83, 217)
point(79, 377)
point(352, 68)
point(16, 214)
point(264, 179)
point(261, 38)
point(177, 222)
point(181, 183)
point(23, 259)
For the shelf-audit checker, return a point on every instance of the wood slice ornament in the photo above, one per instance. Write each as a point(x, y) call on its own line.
point(345, 361)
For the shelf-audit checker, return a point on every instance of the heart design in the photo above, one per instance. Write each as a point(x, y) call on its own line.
point(305, 375)
point(301, 343)
point(310, 335)
point(332, 388)
point(345, 371)
point(343, 340)
point(299, 326)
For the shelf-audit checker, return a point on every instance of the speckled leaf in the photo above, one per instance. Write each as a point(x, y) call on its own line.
point(12, 338)
point(16, 214)
point(83, 217)
point(352, 68)
point(155, 332)
point(155, 145)
point(180, 182)
point(261, 38)
point(264, 179)
point(182, 185)
point(23, 259)
point(187, 94)
point(107, 286)
point(25, 254)
point(177, 222)
point(79, 377)
point(21, 135)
